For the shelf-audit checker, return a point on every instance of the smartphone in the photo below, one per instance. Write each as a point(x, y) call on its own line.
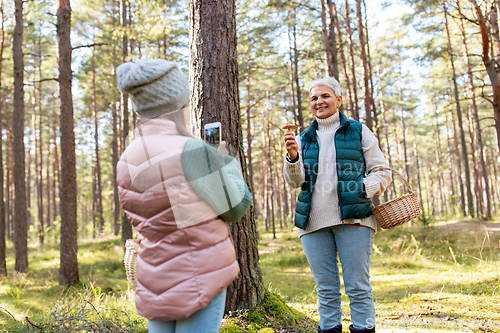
point(213, 134)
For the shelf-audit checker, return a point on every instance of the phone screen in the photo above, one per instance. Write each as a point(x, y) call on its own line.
point(212, 135)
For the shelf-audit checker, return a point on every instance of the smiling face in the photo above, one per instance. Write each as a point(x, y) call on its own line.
point(323, 101)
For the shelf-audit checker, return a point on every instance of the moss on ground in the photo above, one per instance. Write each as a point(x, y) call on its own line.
point(271, 315)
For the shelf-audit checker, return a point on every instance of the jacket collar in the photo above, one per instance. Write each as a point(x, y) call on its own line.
point(310, 132)
point(343, 120)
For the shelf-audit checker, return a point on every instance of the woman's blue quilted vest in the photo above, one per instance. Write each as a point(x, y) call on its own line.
point(351, 171)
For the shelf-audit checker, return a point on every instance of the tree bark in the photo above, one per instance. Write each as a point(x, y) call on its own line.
point(402, 115)
point(364, 62)
point(20, 215)
point(386, 133)
point(96, 142)
point(333, 8)
point(329, 39)
point(479, 137)
point(355, 113)
point(3, 265)
point(126, 226)
point(470, 203)
point(214, 86)
point(296, 74)
point(68, 271)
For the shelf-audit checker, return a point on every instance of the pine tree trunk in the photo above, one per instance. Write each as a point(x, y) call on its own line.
point(126, 226)
point(20, 215)
point(270, 166)
point(489, 63)
point(329, 40)
point(296, 75)
point(97, 157)
point(402, 115)
point(41, 224)
point(213, 59)
point(470, 203)
point(355, 113)
point(439, 158)
point(292, 87)
point(459, 165)
point(3, 265)
point(68, 271)
point(472, 91)
point(386, 134)
point(450, 167)
point(114, 158)
point(364, 62)
point(475, 170)
point(333, 9)
point(8, 185)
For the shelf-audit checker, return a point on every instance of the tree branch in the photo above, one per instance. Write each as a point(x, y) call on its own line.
point(88, 45)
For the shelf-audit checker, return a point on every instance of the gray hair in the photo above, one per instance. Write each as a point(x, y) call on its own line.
point(330, 82)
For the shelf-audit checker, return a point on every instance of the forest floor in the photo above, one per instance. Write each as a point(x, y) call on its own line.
point(444, 278)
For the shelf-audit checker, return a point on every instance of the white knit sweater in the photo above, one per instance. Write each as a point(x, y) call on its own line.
point(325, 209)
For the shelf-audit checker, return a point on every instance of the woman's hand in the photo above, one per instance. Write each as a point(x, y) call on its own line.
point(291, 145)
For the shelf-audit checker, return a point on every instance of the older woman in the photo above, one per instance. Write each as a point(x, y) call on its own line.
point(335, 163)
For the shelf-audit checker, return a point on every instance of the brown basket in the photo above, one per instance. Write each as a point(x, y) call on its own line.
point(130, 259)
point(397, 211)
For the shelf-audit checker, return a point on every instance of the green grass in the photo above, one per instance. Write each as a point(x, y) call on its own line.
point(418, 274)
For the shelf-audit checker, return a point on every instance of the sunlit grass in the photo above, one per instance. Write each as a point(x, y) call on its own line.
point(417, 274)
point(425, 273)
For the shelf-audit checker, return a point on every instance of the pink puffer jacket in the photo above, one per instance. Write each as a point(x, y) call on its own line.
point(186, 256)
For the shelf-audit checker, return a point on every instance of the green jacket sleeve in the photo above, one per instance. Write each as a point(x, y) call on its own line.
point(216, 179)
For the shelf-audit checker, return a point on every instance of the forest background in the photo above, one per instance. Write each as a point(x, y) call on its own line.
point(422, 75)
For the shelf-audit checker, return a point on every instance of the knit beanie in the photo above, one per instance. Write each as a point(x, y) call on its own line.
point(156, 86)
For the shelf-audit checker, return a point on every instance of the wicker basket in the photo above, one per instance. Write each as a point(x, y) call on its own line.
point(130, 260)
point(397, 211)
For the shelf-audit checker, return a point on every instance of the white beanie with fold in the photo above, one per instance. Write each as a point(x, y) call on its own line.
point(156, 86)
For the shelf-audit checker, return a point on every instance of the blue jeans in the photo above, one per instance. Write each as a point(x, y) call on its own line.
point(353, 245)
point(206, 320)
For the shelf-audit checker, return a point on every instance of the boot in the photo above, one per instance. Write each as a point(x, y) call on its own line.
point(336, 329)
point(364, 330)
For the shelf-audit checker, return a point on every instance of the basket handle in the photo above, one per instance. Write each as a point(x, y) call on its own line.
point(397, 173)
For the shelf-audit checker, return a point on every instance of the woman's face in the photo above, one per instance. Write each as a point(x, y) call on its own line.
point(323, 101)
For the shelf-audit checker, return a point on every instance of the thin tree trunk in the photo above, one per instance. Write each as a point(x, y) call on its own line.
point(370, 81)
point(8, 200)
point(452, 193)
point(126, 226)
point(114, 148)
point(342, 57)
point(472, 91)
point(478, 188)
point(212, 43)
point(355, 113)
point(364, 62)
point(459, 165)
point(417, 164)
point(292, 88)
point(97, 157)
point(41, 218)
point(296, 75)
point(439, 157)
point(3, 265)
point(68, 271)
point(470, 203)
point(386, 133)
point(20, 216)
point(402, 115)
point(270, 162)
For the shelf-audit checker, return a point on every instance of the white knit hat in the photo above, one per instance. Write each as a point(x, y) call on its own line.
point(156, 86)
